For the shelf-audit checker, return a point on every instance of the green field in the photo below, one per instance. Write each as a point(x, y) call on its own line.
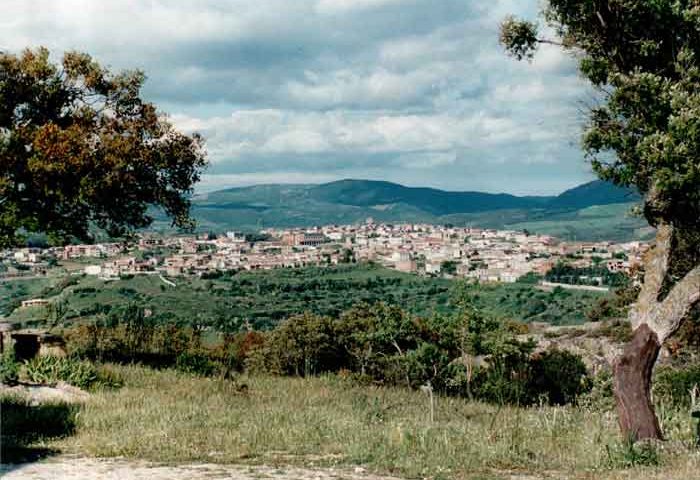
point(263, 298)
point(13, 291)
point(526, 303)
point(330, 421)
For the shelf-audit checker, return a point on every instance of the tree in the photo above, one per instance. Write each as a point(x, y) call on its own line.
point(79, 148)
point(643, 56)
point(304, 345)
point(449, 267)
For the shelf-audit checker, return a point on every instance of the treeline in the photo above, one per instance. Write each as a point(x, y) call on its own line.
point(596, 275)
point(463, 353)
point(226, 300)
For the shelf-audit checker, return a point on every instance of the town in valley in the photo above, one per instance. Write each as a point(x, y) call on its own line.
point(476, 254)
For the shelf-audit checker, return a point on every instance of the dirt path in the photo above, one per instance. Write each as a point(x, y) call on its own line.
point(77, 468)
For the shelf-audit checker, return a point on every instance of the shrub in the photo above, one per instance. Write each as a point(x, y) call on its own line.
point(259, 359)
point(600, 396)
point(9, 368)
point(82, 374)
point(601, 310)
point(133, 340)
point(673, 384)
point(109, 377)
point(196, 364)
point(619, 331)
point(630, 454)
point(505, 379)
point(559, 375)
point(516, 327)
point(503, 382)
point(427, 363)
point(305, 345)
point(234, 351)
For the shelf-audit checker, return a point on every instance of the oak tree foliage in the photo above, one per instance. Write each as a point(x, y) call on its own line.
point(643, 56)
point(80, 148)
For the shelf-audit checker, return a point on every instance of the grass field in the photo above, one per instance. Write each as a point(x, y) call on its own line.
point(170, 417)
point(13, 291)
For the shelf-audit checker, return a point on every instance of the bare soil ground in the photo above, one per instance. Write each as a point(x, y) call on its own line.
point(80, 468)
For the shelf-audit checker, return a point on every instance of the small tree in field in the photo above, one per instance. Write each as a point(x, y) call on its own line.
point(79, 148)
point(644, 58)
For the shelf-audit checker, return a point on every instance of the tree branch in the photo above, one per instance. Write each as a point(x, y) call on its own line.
point(550, 42)
point(677, 305)
point(656, 267)
point(664, 317)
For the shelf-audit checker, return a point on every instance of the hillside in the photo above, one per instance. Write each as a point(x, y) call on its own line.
point(351, 201)
point(593, 193)
point(365, 193)
point(229, 301)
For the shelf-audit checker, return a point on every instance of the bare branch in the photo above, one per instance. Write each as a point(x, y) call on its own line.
point(550, 42)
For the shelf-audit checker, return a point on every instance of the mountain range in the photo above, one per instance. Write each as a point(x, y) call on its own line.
point(592, 211)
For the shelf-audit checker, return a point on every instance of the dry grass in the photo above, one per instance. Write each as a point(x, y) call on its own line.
point(171, 417)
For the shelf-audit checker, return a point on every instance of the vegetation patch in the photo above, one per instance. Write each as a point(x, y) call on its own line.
point(332, 420)
point(239, 300)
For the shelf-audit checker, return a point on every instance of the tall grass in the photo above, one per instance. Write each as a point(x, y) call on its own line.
point(173, 417)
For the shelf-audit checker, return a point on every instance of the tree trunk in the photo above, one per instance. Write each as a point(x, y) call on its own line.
point(654, 320)
point(632, 385)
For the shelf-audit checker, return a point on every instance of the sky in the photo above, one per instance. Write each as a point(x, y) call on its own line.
point(307, 91)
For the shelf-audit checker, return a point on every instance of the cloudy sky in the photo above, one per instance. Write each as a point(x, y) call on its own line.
point(412, 91)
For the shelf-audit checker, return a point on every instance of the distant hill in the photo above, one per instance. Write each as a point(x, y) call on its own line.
point(351, 201)
point(592, 193)
point(367, 193)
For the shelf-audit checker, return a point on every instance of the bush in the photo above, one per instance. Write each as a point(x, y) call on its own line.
point(48, 370)
point(196, 364)
point(630, 454)
point(558, 375)
point(9, 368)
point(427, 364)
point(673, 384)
point(503, 381)
point(109, 377)
point(619, 331)
point(304, 345)
point(235, 349)
point(600, 397)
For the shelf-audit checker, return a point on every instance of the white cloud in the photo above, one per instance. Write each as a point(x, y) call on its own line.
point(328, 7)
point(411, 90)
point(377, 89)
point(426, 160)
point(296, 141)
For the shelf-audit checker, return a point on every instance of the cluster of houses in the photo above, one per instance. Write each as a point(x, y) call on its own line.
point(480, 254)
